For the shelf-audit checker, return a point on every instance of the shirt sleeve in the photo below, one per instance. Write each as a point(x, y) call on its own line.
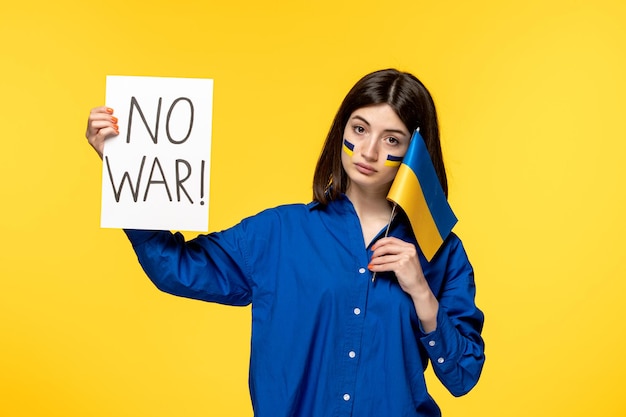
point(210, 267)
point(456, 348)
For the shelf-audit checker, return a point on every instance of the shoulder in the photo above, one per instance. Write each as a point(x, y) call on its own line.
point(453, 241)
point(453, 250)
point(285, 210)
point(274, 217)
point(450, 257)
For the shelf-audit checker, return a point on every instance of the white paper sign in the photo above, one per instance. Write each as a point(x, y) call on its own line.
point(155, 173)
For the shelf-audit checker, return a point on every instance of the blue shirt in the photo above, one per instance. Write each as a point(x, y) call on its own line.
point(326, 340)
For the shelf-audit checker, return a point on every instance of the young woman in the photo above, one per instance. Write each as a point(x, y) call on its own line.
point(326, 339)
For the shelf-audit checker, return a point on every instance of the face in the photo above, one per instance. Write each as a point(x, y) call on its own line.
point(375, 140)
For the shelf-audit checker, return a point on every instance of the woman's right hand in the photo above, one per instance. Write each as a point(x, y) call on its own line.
point(101, 126)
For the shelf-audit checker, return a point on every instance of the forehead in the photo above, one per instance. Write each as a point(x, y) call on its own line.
point(380, 116)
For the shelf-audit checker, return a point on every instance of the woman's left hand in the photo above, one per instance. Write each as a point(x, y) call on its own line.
point(393, 254)
point(400, 257)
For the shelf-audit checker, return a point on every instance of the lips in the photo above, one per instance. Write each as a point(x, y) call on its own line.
point(364, 168)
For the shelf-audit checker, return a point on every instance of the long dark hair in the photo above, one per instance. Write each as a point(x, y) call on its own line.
point(412, 103)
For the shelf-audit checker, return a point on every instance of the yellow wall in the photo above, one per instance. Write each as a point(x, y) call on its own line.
point(531, 101)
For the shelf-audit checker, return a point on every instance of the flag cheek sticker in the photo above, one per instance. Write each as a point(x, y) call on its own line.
point(348, 147)
point(393, 161)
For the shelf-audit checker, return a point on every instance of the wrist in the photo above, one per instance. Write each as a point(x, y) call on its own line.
point(427, 308)
point(421, 292)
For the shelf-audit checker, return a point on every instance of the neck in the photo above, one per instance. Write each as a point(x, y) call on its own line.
point(369, 205)
point(373, 210)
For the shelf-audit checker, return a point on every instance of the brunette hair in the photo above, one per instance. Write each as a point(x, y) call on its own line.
point(412, 103)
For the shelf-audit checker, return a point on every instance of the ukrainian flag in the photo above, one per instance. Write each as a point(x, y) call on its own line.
point(348, 147)
point(393, 161)
point(418, 191)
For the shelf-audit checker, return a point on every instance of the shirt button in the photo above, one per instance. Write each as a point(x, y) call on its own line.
point(431, 343)
point(346, 397)
point(441, 360)
point(357, 311)
point(352, 354)
point(361, 270)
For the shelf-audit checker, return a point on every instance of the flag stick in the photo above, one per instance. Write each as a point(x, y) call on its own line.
point(393, 211)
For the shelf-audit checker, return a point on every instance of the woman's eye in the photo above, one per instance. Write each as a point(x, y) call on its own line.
point(393, 141)
point(359, 129)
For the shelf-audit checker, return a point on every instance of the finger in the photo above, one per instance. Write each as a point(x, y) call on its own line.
point(383, 263)
point(102, 110)
point(398, 252)
point(95, 125)
point(390, 249)
point(380, 242)
point(101, 113)
point(387, 257)
point(102, 134)
point(380, 245)
point(388, 241)
point(99, 122)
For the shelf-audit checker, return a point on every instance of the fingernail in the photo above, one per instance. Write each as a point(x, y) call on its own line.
point(116, 127)
point(109, 110)
point(114, 120)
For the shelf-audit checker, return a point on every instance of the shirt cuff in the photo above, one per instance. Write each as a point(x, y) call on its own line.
point(442, 343)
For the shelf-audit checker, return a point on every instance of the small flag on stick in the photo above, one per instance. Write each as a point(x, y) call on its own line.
point(418, 191)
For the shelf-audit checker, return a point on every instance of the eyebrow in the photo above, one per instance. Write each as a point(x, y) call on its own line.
point(398, 131)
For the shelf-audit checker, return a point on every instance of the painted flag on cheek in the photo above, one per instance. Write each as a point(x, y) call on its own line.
point(393, 161)
point(418, 191)
point(348, 147)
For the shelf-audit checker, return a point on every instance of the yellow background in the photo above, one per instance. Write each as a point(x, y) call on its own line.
point(531, 96)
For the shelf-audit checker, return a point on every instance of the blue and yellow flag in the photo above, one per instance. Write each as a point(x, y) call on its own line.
point(418, 191)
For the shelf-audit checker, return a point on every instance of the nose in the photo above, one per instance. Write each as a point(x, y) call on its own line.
point(369, 150)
